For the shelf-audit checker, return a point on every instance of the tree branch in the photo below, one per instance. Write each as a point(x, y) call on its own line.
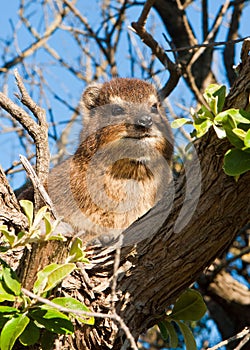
point(10, 211)
point(229, 51)
point(36, 45)
point(159, 52)
point(38, 131)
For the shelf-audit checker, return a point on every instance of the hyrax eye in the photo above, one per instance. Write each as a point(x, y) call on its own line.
point(117, 110)
point(154, 108)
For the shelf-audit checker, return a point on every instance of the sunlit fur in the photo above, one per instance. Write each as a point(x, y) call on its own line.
point(120, 169)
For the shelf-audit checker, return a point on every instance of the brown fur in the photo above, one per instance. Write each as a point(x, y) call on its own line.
point(120, 169)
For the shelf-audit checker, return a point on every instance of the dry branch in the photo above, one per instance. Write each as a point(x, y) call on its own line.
point(10, 211)
point(37, 130)
point(174, 69)
point(36, 45)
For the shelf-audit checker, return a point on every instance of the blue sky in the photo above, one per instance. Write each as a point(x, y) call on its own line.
point(66, 86)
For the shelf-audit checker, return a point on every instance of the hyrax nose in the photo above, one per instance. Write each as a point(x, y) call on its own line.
point(144, 121)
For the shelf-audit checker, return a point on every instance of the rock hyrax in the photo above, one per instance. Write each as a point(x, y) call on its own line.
point(121, 167)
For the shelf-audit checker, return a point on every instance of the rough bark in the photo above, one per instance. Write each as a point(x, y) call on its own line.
point(10, 213)
point(155, 271)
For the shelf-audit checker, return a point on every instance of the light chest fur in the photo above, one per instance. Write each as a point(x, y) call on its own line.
point(122, 165)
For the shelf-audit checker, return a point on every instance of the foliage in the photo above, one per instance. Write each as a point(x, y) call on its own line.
point(188, 307)
point(40, 228)
point(234, 124)
point(37, 320)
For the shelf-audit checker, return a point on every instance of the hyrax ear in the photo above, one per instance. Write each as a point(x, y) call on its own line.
point(90, 97)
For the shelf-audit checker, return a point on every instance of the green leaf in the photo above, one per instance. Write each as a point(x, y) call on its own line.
point(240, 133)
point(229, 126)
point(4, 294)
point(203, 113)
point(42, 278)
point(76, 252)
point(213, 104)
point(53, 320)
point(189, 306)
point(28, 209)
point(236, 162)
point(9, 235)
point(39, 217)
point(202, 126)
point(30, 335)
point(47, 340)
point(238, 115)
point(163, 330)
point(220, 132)
point(76, 305)
point(4, 249)
point(188, 336)
point(59, 274)
point(11, 280)
point(51, 276)
point(12, 330)
point(168, 331)
point(178, 123)
point(21, 234)
point(8, 309)
point(247, 139)
point(221, 93)
point(215, 96)
point(48, 225)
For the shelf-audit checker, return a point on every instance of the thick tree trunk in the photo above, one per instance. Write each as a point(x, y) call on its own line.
point(171, 257)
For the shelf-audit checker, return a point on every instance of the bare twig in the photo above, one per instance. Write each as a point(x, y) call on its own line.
point(113, 316)
point(211, 36)
point(115, 274)
point(246, 331)
point(157, 50)
point(226, 262)
point(50, 50)
point(39, 135)
point(145, 12)
point(204, 18)
point(212, 44)
point(36, 45)
point(84, 21)
point(229, 51)
point(38, 131)
point(243, 342)
point(38, 185)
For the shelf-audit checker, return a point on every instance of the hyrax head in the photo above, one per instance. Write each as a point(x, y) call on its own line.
point(126, 114)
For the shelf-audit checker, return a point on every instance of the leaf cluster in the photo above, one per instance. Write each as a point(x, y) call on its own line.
point(234, 124)
point(41, 228)
point(33, 320)
point(188, 307)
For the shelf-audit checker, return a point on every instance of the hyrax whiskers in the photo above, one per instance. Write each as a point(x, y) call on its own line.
point(121, 167)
